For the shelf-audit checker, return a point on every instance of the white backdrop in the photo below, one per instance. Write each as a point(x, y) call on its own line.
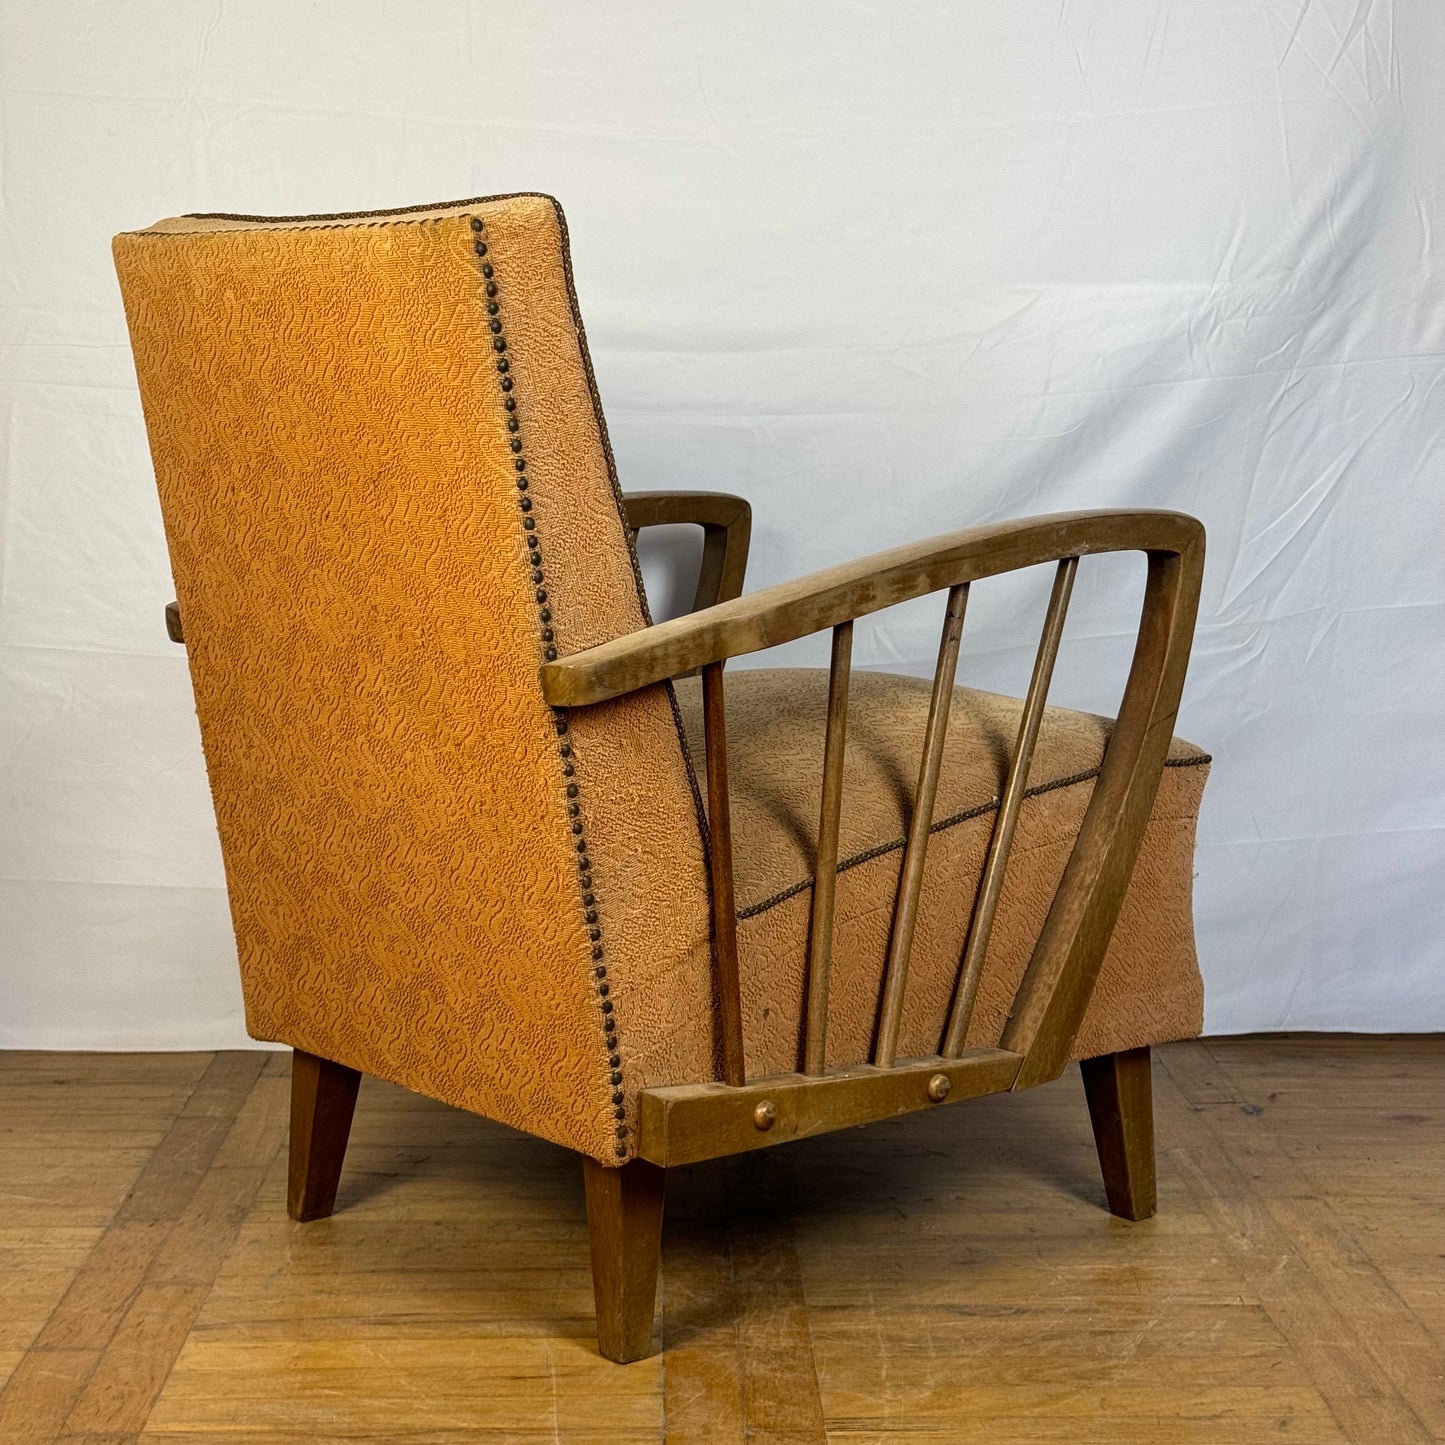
point(888, 270)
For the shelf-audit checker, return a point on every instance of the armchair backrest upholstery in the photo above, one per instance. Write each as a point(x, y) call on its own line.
point(387, 496)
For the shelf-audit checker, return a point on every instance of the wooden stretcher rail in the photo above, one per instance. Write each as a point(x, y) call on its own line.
point(692, 1122)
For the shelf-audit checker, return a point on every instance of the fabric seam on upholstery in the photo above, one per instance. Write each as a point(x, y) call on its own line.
point(547, 642)
point(363, 215)
point(879, 850)
point(338, 220)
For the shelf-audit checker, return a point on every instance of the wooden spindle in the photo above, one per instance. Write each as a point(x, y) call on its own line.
point(991, 884)
point(895, 972)
point(720, 862)
point(825, 871)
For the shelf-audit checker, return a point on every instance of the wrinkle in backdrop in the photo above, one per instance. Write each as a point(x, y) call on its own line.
point(887, 270)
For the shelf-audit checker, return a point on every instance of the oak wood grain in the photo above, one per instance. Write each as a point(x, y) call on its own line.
point(990, 887)
point(866, 1285)
point(690, 1122)
point(726, 521)
point(726, 979)
point(790, 610)
point(825, 867)
point(920, 828)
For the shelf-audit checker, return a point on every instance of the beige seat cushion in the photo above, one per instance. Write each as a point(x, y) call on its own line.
point(1149, 989)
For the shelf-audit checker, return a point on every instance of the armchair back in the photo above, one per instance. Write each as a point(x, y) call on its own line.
point(389, 500)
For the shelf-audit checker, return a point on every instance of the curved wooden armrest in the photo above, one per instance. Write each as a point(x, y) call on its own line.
point(726, 522)
point(1050, 1002)
point(838, 594)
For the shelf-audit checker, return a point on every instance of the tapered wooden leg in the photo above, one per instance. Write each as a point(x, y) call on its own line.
point(1119, 1089)
point(323, 1099)
point(624, 1224)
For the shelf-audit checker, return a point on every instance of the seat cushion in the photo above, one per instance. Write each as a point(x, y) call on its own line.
point(1149, 988)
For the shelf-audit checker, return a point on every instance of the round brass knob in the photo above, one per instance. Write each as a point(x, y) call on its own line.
point(939, 1088)
point(765, 1115)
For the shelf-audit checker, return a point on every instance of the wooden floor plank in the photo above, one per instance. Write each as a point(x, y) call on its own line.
point(1233, 1186)
point(949, 1277)
point(1298, 1200)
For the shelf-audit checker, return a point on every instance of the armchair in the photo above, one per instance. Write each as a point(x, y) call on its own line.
point(487, 835)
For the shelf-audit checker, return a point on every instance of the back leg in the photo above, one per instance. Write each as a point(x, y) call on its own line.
point(323, 1099)
point(1119, 1088)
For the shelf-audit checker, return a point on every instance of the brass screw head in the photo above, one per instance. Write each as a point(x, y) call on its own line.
point(765, 1115)
point(939, 1088)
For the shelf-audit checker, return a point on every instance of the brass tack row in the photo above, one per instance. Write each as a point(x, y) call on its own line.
point(549, 654)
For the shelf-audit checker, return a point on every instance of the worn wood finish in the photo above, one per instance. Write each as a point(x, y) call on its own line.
point(823, 599)
point(990, 887)
point(937, 1278)
point(1054, 993)
point(726, 523)
point(1120, 1091)
point(692, 1122)
point(915, 850)
point(624, 1231)
point(323, 1100)
point(825, 868)
point(1059, 979)
point(720, 872)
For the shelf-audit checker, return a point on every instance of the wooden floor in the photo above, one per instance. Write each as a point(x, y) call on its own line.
point(946, 1277)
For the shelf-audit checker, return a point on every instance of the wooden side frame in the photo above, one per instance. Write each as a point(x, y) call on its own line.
point(699, 1121)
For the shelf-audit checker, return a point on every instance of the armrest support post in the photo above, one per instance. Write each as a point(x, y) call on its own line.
point(920, 825)
point(726, 522)
point(720, 864)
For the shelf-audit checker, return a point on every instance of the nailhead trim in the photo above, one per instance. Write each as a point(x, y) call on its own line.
point(587, 898)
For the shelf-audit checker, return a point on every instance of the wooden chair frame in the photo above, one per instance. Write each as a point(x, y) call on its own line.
point(707, 1119)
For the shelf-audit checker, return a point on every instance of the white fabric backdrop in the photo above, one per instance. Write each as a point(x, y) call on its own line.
point(887, 269)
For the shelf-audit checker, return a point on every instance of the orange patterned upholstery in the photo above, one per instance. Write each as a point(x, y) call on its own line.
point(388, 496)
point(402, 824)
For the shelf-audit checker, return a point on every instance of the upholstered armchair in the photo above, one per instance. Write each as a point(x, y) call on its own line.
point(491, 834)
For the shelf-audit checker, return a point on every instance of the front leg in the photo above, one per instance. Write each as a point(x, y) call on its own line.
point(1119, 1088)
point(624, 1225)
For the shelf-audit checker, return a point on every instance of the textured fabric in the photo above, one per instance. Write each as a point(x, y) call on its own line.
point(425, 878)
point(1149, 989)
point(388, 497)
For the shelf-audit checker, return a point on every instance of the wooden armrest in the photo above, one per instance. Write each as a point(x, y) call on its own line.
point(1049, 1003)
point(838, 594)
point(726, 523)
